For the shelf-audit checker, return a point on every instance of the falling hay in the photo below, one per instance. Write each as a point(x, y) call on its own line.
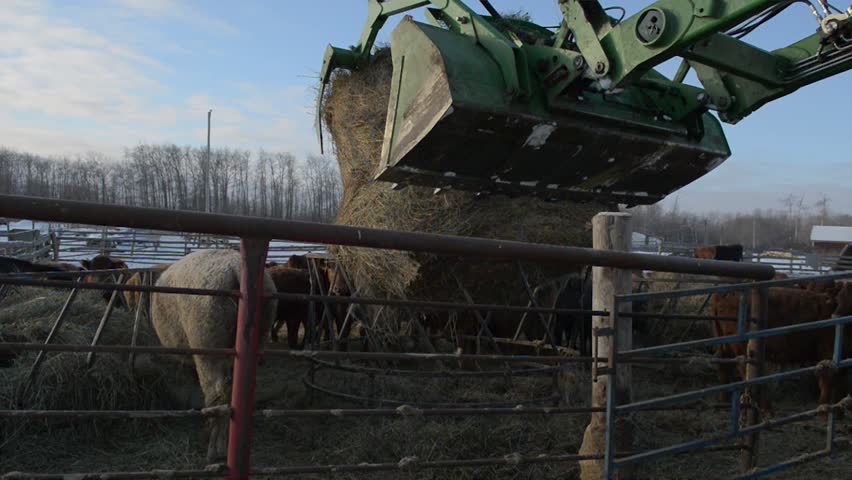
point(355, 110)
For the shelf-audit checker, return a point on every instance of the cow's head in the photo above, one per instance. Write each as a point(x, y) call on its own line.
point(844, 299)
point(298, 261)
point(103, 262)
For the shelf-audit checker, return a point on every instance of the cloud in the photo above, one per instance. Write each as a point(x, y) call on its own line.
point(174, 10)
point(68, 89)
point(52, 67)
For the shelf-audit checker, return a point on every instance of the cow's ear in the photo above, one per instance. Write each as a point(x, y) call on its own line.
point(86, 263)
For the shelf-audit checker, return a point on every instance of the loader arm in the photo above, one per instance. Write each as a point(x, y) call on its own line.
point(452, 13)
point(738, 77)
point(494, 105)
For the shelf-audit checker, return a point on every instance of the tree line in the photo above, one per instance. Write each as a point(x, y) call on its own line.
point(277, 184)
point(242, 182)
point(786, 227)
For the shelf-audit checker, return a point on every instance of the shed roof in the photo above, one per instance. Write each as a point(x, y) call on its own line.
point(822, 233)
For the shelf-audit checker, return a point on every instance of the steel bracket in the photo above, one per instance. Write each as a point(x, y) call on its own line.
point(718, 98)
point(588, 26)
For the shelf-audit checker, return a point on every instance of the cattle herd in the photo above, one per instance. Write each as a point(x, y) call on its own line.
point(210, 322)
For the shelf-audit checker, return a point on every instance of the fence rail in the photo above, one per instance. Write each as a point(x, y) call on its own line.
point(755, 378)
point(254, 233)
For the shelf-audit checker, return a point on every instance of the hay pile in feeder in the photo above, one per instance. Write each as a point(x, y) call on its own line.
point(355, 115)
point(64, 381)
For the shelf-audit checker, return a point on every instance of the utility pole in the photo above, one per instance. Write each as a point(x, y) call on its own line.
point(754, 232)
point(207, 167)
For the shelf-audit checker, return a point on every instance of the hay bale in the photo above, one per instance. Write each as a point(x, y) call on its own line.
point(355, 115)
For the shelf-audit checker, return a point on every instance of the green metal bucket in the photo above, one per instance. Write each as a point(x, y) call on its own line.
point(453, 124)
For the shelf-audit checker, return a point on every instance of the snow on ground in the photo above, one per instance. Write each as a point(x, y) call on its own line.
point(140, 248)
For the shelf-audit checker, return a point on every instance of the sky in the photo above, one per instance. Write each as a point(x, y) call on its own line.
point(99, 75)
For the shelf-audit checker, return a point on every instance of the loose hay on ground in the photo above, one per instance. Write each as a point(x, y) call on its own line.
point(63, 381)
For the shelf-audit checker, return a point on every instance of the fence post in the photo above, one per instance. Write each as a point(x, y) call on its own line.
point(54, 242)
point(756, 352)
point(249, 320)
point(610, 231)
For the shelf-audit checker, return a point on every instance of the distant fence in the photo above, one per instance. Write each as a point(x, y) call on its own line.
point(790, 262)
point(137, 247)
point(149, 247)
point(26, 244)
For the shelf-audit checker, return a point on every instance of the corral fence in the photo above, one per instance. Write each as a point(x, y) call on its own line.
point(143, 247)
point(137, 247)
point(608, 360)
point(25, 243)
point(752, 328)
point(790, 262)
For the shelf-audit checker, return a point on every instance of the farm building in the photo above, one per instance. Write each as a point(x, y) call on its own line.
point(830, 240)
point(642, 241)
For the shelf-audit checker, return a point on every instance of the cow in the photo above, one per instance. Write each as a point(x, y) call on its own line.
point(829, 287)
point(576, 328)
point(101, 262)
point(132, 298)
point(569, 292)
point(298, 261)
point(333, 283)
point(290, 313)
point(788, 306)
point(732, 253)
point(17, 265)
point(197, 321)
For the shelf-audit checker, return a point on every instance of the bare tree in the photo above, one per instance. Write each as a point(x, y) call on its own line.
point(168, 176)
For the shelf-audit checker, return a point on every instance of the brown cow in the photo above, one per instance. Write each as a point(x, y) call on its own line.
point(733, 253)
point(291, 313)
point(788, 306)
point(16, 265)
point(829, 287)
point(102, 262)
point(333, 283)
point(298, 261)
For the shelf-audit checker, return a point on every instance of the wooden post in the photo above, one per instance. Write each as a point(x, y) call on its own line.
point(611, 231)
point(54, 242)
point(756, 354)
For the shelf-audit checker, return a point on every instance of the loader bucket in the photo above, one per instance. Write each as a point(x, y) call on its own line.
point(452, 124)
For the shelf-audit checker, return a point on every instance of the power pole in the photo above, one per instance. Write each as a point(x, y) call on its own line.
point(207, 167)
point(754, 232)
